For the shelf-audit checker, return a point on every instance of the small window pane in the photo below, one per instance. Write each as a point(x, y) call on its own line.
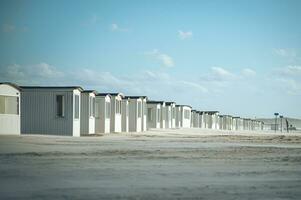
point(149, 114)
point(60, 105)
point(9, 105)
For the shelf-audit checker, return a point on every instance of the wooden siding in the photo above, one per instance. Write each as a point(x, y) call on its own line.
point(38, 112)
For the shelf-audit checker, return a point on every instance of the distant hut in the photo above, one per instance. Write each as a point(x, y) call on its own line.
point(136, 113)
point(185, 117)
point(115, 121)
point(125, 114)
point(87, 112)
point(102, 113)
point(144, 113)
point(178, 116)
point(154, 112)
point(163, 115)
point(169, 113)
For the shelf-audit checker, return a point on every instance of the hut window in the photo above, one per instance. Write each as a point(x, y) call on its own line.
point(108, 110)
point(9, 105)
point(139, 109)
point(149, 114)
point(76, 106)
point(187, 114)
point(60, 106)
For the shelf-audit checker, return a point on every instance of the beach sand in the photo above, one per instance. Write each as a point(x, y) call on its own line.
point(158, 164)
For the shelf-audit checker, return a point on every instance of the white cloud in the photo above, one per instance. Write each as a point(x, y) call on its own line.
point(41, 72)
point(285, 52)
point(289, 71)
point(115, 27)
point(8, 28)
point(184, 35)
point(165, 59)
point(248, 72)
point(218, 74)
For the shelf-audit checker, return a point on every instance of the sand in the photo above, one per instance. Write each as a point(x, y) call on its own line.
point(158, 164)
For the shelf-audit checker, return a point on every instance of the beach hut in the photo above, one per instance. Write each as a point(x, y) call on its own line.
point(237, 123)
point(197, 120)
point(169, 112)
point(222, 122)
point(144, 113)
point(207, 119)
point(125, 114)
point(51, 110)
point(154, 114)
point(229, 122)
point(212, 119)
point(246, 124)
point(192, 118)
point(135, 113)
point(173, 114)
point(178, 116)
point(163, 115)
point(9, 109)
point(234, 123)
point(102, 113)
point(115, 120)
point(185, 116)
point(87, 112)
point(201, 119)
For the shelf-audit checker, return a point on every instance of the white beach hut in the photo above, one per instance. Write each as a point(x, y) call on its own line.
point(173, 114)
point(202, 123)
point(51, 110)
point(144, 113)
point(154, 114)
point(102, 113)
point(207, 119)
point(195, 118)
point(87, 112)
point(185, 117)
point(135, 113)
point(214, 119)
point(170, 118)
point(163, 115)
point(115, 114)
point(125, 114)
point(9, 109)
point(224, 122)
point(229, 122)
point(178, 116)
point(192, 118)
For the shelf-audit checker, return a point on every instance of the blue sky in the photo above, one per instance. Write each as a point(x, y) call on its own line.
point(239, 57)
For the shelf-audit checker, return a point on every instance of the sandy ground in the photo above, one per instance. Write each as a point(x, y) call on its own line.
point(159, 164)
